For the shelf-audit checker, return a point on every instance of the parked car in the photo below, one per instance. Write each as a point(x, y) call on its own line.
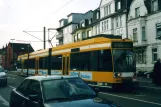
point(139, 73)
point(56, 91)
point(148, 74)
point(3, 77)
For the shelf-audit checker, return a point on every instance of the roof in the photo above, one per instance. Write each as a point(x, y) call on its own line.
point(86, 27)
point(21, 46)
point(74, 13)
point(49, 77)
point(66, 26)
point(111, 36)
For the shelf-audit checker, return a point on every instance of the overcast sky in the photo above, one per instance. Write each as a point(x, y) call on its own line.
point(17, 16)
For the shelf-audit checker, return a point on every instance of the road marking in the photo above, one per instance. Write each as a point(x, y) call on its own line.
point(11, 78)
point(140, 95)
point(146, 81)
point(6, 103)
point(132, 99)
point(158, 88)
point(12, 74)
point(11, 86)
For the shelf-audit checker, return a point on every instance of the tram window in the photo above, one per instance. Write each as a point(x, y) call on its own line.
point(31, 63)
point(25, 64)
point(57, 62)
point(84, 62)
point(91, 61)
point(74, 61)
point(43, 63)
point(19, 64)
point(105, 60)
point(94, 60)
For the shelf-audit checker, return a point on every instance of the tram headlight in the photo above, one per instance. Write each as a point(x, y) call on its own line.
point(118, 74)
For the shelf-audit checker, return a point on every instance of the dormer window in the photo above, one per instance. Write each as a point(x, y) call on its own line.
point(79, 36)
point(119, 5)
point(109, 8)
point(70, 19)
point(83, 24)
point(154, 5)
point(137, 12)
point(90, 21)
point(62, 23)
point(77, 27)
point(75, 38)
point(97, 17)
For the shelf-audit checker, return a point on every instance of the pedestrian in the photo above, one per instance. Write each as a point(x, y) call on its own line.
point(157, 72)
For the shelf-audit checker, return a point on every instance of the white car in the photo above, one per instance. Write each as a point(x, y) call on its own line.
point(3, 77)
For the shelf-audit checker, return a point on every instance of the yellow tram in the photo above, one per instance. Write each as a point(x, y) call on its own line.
point(102, 61)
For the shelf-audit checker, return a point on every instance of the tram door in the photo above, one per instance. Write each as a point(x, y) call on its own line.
point(66, 64)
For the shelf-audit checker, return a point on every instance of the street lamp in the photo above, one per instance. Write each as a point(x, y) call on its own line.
point(12, 53)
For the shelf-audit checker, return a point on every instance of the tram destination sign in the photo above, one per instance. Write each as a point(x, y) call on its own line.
point(122, 45)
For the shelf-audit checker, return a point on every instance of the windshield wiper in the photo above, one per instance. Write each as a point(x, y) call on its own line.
point(82, 95)
point(59, 99)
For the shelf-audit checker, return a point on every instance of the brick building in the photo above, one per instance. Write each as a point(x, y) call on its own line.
point(10, 53)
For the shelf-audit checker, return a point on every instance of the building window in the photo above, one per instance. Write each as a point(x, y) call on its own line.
point(109, 6)
point(95, 29)
point(140, 56)
point(135, 39)
point(90, 21)
point(154, 54)
point(106, 10)
point(137, 12)
point(75, 38)
point(121, 20)
point(98, 28)
point(154, 5)
point(79, 36)
point(158, 30)
point(102, 26)
point(97, 15)
point(89, 33)
point(70, 19)
point(143, 34)
point(117, 22)
point(83, 35)
point(60, 41)
point(61, 23)
point(83, 24)
point(118, 5)
point(107, 24)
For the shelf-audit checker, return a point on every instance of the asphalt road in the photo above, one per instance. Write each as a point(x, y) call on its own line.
point(139, 98)
point(13, 81)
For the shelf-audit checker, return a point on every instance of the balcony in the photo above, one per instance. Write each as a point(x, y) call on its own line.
point(59, 36)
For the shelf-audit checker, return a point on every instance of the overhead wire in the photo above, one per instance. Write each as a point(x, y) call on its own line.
point(48, 31)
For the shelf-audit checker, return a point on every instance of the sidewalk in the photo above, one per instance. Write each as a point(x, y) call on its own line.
point(146, 84)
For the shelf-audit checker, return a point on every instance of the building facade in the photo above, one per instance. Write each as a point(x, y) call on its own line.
point(68, 26)
point(11, 52)
point(114, 17)
point(144, 27)
point(87, 27)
